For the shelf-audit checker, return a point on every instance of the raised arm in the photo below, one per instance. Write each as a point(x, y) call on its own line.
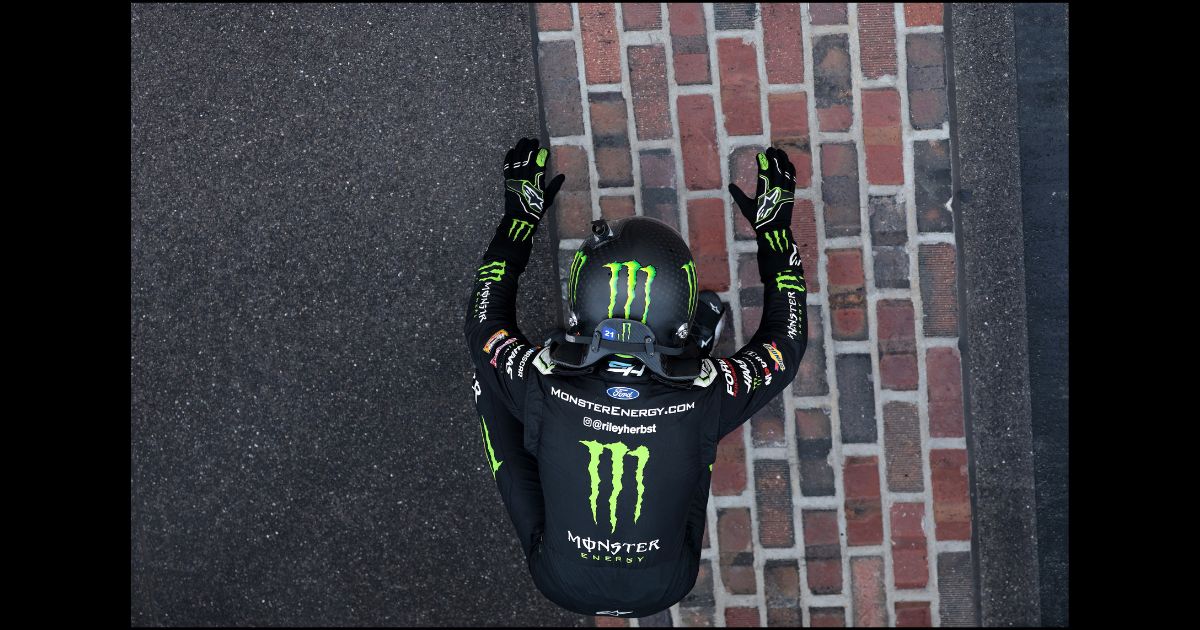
point(500, 352)
point(763, 367)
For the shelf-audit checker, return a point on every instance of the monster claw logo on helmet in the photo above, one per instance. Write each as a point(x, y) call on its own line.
point(638, 269)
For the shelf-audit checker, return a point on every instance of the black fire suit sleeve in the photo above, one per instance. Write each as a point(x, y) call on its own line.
point(499, 350)
point(768, 362)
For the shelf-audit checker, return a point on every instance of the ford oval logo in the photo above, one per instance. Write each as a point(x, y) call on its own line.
point(623, 393)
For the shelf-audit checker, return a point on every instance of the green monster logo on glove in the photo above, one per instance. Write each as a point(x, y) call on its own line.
point(784, 280)
point(519, 228)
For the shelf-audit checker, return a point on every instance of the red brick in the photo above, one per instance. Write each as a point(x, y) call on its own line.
point(847, 293)
point(897, 344)
point(902, 447)
point(870, 600)
point(658, 168)
point(910, 562)
point(913, 614)
point(554, 16)
point(610, 139)
point(835, 118)
point(740, 96)
point(827, 13)
point(641, 16)
point(574, 201)
point(702, 592)
point(743, 171)
point(804, 230)
point(832, 82)
point(698, 142)
point(782, 43)
point(604, 621)
point(864, 511)
point(813, 444)
point(560, 83)
point(822, 551)
point(748, 276)
point(877, 39)
point(827, 617)
point(648, 86)
point(689, 43)
point(766, 425)
point(751, 318)
point(882, 136)
point(939, 289)
point(601, 47)
point(781, 584)
point(697, 617)
point(706, 237)
point(741, 617)
point(839, 160)
point(614, 166)
point(928, 108)
point(951, 494)
point(616, 207)
point(944, 372)
point(923, 13)
point(789, 115)
point(783, 617)
point(729, 471)
point(609, 115)
point(773, 490)
point(737, 555)
point(705, 544)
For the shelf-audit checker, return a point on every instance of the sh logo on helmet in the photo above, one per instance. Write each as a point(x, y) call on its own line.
point(623, 393)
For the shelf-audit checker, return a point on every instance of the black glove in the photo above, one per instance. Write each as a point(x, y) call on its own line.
point(771, 208)
point(525, 197)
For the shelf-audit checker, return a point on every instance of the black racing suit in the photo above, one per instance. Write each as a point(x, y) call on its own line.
point(606, 475)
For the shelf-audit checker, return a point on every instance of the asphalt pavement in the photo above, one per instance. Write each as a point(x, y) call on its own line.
point(311, 187)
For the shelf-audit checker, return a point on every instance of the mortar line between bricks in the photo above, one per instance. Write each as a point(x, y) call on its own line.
point(941, 342)
point(807, 33)
point(948, 442)
point(618, 191)
point(929, 238)
point(714, 90)
point(555, 36)
point(886, 81)
point(785, 88)
point(857, 129)
point(570, 243)
point(928, 527)
point(604, 88)
point(952, 546)
point(676, 146)
point(833, 29)
point(844, 242)
point(558, 141)
point(642, 38)
point(630, 123)
point(930, 28)
point(941, 133)
point(581, 71)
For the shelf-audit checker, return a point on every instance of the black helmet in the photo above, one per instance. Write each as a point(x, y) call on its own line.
point(632, 290)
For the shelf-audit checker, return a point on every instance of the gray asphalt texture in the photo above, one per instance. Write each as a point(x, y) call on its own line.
point(311, 189)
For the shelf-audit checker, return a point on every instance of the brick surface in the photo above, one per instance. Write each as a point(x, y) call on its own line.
point(913, 615)
point(831, 82)
point(729, 470)
point(560, 88)
point(939, 289)
point(740, 98)
point(951, 494)
point(847, 293)
point(882, 136)
point(689, 43)
point(789, 131)
point(877, 39)
point(926, 84)
point(888, 223)
point(734, 15)
point(826, 13)
point(864, 511)
point(810, 378)
point(902, 447)
point(616, 207)
point(956, 587)
point(639, 16)
point(856, 398)
point(697, 617)
point(610, 139)
point(897, 344)
point(910, 561)
point(839, 189)
point(741, 617)
point(737, 554)
point(814, 441)
point(554, 16)
point(783, 617)
point(870, 600)
point(706, 237)
point(601, 47)
point(661, 619)
point(781, 584)
point(603, 621)
point(891, 267)
point(701, 594)
point(743, 171)
point(783, 45)
point(827, 617)
point(773, 490)
point(944, 371)
point(648, 86)
point(804, 231)
point(659, 196)
point(698, 140)
point(931, 166)
point(923, 13)
point(766, 425)
point(574, 201)
point(822, 551)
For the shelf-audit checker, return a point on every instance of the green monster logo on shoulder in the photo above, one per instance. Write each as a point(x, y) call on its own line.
point(618, 451)
point(632, 267)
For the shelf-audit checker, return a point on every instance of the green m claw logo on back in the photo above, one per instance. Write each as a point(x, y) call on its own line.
point(632, 267)
point(618, 451)
point(492, 271)
point(519, 227)
point(777, 240)
point(785, 278)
